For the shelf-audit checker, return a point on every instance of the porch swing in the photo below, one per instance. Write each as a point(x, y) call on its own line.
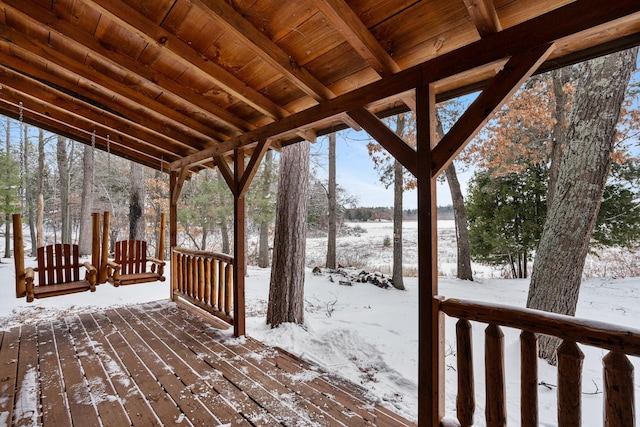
point(131, 265)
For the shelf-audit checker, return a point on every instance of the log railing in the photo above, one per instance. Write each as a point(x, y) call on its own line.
point(618, 371)
point(203, 279)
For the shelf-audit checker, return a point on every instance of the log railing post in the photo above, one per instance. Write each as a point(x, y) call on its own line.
point(619, 401)
point(496, 414)
point(465, 401)
point(95, 240)
point(570, 359)
point(18, 256)
point(528, 379)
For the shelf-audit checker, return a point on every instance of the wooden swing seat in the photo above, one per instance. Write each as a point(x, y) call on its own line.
point(130, 264)
point(58, 273)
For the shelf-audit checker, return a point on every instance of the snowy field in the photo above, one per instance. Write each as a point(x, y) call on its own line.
point(369, 335)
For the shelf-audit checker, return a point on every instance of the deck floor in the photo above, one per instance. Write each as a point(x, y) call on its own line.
point(158, 364)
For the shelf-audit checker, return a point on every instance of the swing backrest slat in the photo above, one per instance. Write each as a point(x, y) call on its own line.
point(132, 256)
point(58, 264)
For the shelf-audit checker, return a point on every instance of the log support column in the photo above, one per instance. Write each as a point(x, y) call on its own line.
point(239, 251)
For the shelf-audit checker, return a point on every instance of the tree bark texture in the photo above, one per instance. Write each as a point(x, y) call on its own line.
point(398, 190)
point(7, 218)
point(30, 191)
point(286, 290)
point(331, 194)
point(63, 176)
point(557, 272)
point(40, 210)
point(86, 206)
point(464, 270)
point(136, 202)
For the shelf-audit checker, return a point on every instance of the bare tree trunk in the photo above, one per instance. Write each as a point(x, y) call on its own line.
point(286, 290)
point(40, 210)
point(29, 190)
point(263, 245)
point(7, 217)
point(555, 283)
point(558, 137)
point(86, 206)
point(331, 240)
point(398, 188)
point(63, 175)
point(460, 216)
point(136, 202)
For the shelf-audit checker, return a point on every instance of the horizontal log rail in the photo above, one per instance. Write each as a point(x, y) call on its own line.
point(203, 279)
point(618, 374)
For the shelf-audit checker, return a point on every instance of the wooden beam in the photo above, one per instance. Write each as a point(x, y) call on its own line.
point(484, 16)
point(498, 91)
point(568, 20)
point(239, 251)
point(176, 188)
point(395, 145)
point(182, 53)
point(74, 35)
point(227, 174)
point(252, 167)
point(264, 48)
point(349, 25)
point(430, 319)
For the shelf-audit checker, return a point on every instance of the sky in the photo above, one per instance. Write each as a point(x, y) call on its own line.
point(356, 174)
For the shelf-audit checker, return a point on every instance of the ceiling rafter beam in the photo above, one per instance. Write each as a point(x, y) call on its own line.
point(184, 54)
point(565, 21)
point(61, 105)
point(12, 40)
point(498, 91)
point(345, 21)
point(265, 48)
point(484, 17)
point(74, 35)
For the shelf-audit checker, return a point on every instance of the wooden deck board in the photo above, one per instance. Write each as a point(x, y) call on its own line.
point(158, 364)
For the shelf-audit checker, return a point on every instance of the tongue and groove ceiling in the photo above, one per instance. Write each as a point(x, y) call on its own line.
point(174, 83)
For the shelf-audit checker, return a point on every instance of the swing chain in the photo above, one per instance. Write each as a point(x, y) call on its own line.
point(108, 157)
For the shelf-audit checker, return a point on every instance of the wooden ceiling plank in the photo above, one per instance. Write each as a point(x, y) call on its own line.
point(68, 105)
point(578, 16)
point(227, 174)
point(252, 168)
point(347, 22)
point(395, 145)
point(181, 52)
point(11, 36)
point(498, 91)
point(73, 34)
point(484, 16)
point(266, 49)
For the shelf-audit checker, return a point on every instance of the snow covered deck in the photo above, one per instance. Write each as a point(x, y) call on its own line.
point(156, 364)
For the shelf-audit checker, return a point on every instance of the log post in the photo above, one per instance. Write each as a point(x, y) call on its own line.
point(104, 255)
point(528, 379)
point(465, 401)
point(570, 359)
point(496, 413)
point(175, 273)
point(161, 237)
point(239, 249)
point(619, 398)
point(18, 256)
point(201, 278)
point(95, 240)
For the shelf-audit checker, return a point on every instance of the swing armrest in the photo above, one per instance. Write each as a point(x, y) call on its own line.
point(156, 261)
point(92, 274)
point(160, 267)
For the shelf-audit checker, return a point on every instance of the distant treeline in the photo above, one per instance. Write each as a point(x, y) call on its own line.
point(386, 213)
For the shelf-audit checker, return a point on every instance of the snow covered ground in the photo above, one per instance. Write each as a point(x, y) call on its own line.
point(369, 335)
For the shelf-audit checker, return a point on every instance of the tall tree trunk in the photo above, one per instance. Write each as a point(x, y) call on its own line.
point(286, 290)
point(7, 215)
point(30, 191)
point(331, 193)
point(464, 271)
point(224, 231)
point(159, 176)
point(40, 210)
point(398, 189)
point(63, 175)
point(555, 282)
point(559, 77)
point(136, 202)
point(86, 205)
point(263, 244)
